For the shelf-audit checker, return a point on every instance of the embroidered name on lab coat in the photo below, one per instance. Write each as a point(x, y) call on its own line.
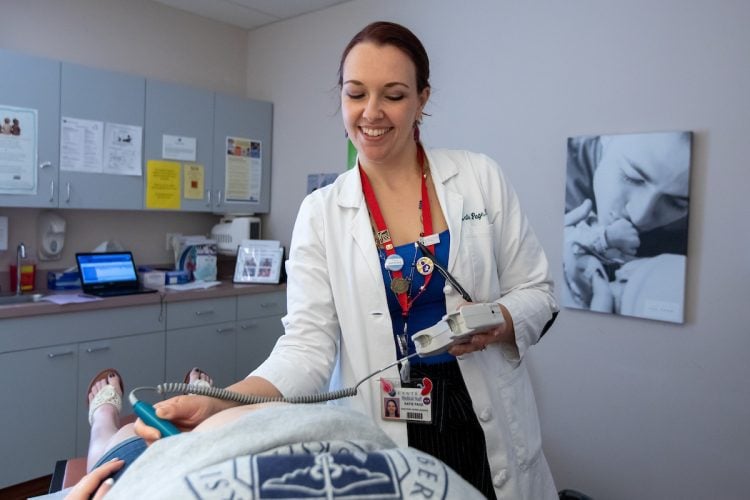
point(474, 215)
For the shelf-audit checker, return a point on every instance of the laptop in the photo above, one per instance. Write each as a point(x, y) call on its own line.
point(109, 274)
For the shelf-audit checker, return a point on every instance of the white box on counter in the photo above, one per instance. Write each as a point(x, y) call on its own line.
point(153, 279)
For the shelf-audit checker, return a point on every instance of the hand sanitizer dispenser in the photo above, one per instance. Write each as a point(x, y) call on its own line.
point(50, 235)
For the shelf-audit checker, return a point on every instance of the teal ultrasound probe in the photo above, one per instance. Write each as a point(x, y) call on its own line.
point(147, 413)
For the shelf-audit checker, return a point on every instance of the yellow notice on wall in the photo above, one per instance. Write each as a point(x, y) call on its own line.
point(194, 180)
point(163, 184)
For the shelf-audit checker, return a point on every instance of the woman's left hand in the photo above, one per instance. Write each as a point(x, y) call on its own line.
point(480, 340)
point(94, 482)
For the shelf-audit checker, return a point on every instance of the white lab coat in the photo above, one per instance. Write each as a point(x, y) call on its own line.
point(338, 327)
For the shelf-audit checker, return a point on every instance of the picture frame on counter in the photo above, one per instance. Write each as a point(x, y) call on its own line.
point(259, 261)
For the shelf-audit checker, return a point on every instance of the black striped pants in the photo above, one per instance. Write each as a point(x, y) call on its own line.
point(454, 436)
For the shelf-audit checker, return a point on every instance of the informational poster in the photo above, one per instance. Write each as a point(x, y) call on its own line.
point(175, 147)
point(163, 185)
point(81, 145)
point(122, 149)
point(194, 180)
point(18, 150)
point(243, 170)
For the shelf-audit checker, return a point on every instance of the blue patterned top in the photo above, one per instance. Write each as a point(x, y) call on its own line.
point(428, 308)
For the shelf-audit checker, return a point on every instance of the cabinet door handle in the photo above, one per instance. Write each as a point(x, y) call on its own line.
point(52, 190)
point(59, 354)
point(225, 330)
point(248, 326)
point(218, 197)
point(97, 349)
point(67, 199)
point(208, 196)
point(266, 305)
point(203, 313)
point(45, 164)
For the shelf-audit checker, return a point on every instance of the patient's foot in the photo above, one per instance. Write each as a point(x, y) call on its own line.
point(105, 403)
point(105, 399)
point(198, 378)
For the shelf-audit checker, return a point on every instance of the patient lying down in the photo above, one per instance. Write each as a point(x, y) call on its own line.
point(274, 450)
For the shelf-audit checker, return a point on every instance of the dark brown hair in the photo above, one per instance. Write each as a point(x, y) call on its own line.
point(385, 33)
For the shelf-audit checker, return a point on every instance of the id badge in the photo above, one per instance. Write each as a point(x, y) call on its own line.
point(406, 404)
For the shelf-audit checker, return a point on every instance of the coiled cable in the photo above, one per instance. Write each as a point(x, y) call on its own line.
point(248, 399)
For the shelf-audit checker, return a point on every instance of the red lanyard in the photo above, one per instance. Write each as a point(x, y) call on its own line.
point(383, 236)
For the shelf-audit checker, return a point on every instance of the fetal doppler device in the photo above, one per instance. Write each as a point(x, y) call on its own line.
point(454, 328)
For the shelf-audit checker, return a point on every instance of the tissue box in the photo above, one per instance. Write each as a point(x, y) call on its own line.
point(152, 278)
point(63, 280)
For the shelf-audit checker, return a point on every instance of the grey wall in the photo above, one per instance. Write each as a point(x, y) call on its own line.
point(135, 36)
point(630, 408)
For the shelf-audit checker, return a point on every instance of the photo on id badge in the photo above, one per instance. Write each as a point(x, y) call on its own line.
point(410, 404)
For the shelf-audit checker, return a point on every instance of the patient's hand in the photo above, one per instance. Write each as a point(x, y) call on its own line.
point(94, 482)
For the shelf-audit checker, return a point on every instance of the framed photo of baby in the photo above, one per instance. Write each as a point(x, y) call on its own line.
point(626, 224)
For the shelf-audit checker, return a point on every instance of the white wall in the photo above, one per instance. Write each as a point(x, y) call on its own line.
point(132, 36)
point(630, 408)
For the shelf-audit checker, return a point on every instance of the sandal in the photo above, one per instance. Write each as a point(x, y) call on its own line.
point(199, 382)
point(106, 395)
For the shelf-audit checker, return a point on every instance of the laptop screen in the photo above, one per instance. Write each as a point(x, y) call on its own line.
point(106, 268)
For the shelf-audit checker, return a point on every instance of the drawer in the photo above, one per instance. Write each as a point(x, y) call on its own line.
point(261, 304)
point(201, 312)
point(55, 329)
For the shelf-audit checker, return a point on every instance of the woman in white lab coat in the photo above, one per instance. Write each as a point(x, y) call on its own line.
point(358, 288)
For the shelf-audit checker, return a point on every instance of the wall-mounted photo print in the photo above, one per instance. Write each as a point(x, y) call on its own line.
point(626, 224)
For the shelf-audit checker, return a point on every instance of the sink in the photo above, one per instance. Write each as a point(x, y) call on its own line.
point(11, 300)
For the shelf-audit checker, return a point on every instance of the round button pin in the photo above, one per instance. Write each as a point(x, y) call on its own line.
point(425, 266)
point(394, 262)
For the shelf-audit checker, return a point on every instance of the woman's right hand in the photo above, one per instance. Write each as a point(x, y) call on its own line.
point(95, 484)
point(185, 412)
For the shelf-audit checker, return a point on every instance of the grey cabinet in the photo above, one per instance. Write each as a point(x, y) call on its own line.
point(38, 401)
point(48, 362)
point(258, 328)
point(109, 97)
point(34, 83)
point(227, 337)
point(202, 333)
point(246, 119)
point(64, 90)
point(185, 112)
point(138, 358)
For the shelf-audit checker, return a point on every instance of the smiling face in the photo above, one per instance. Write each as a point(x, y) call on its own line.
point(391, 408)
point(380, 103)
point(643, 178)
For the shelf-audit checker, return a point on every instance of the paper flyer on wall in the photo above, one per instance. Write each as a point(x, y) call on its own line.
point(18, 150)
point(122, 149)
point(243, 170)
point(81, 145)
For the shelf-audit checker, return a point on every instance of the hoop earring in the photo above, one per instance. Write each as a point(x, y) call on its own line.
point(416, 132)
